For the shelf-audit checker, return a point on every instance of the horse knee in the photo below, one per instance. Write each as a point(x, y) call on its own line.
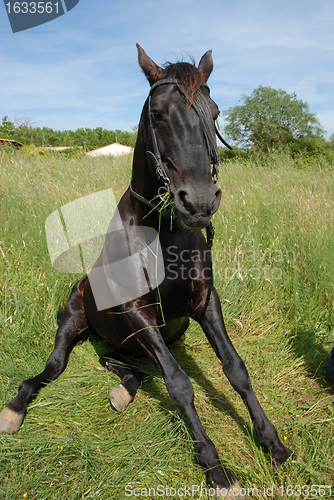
point(54, 367)
point(237, 374)
point(180, 389)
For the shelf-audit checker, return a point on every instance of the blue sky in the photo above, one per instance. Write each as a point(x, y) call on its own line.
point(81, 69)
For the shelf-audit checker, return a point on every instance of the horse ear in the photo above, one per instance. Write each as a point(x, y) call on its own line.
point(206, 65)
point(151, 70)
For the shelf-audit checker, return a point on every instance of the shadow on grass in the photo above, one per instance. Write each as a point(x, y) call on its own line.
point(307, 347)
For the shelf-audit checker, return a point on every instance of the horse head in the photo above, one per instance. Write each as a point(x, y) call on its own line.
point(178, 132)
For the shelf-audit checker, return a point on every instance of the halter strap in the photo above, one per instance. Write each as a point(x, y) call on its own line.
point(159, 168)
point(208, 126)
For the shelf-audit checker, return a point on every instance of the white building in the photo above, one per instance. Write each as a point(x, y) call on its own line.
point(115, 149)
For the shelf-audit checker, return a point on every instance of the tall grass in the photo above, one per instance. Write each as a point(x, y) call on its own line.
point(274, 273)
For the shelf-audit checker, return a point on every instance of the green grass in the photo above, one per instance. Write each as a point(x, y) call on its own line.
point(275, 276)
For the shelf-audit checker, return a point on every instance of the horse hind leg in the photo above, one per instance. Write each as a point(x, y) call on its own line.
point(72, 328)
point(124, 393)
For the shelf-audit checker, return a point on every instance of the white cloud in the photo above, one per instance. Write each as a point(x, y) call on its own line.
point(85, 73)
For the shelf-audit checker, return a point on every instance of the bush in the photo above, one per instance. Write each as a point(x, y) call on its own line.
point(310, 151)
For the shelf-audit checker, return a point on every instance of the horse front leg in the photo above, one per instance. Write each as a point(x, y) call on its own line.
point(72, 328)
point(181, 392)
point(212, 322)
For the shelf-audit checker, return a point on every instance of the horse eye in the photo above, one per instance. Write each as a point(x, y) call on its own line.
point(156, 115)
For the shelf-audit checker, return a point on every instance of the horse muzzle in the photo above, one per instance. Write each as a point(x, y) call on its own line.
point(195, 208)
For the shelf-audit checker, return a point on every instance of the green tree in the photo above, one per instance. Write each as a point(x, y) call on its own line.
point(7, 129)
point(269, 116)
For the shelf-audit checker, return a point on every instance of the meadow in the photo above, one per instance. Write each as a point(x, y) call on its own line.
point(274, 272)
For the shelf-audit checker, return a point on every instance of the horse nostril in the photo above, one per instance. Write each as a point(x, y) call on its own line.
point(185, 199)
point(217, 198)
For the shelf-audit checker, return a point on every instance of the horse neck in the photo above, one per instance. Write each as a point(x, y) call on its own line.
point(144, 181)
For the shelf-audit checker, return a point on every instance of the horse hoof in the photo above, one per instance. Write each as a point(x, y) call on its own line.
point(120, 398)
point(233, 493)
point(10, 421)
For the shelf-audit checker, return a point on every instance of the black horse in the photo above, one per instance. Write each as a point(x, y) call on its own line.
point(172, 196)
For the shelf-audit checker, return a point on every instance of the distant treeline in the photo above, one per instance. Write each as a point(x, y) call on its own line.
point(311, 149)
point(88, 138)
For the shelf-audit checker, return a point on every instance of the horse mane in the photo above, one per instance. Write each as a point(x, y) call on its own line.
point(187, 75)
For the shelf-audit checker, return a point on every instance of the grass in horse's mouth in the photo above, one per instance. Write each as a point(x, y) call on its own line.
point(165, 200)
